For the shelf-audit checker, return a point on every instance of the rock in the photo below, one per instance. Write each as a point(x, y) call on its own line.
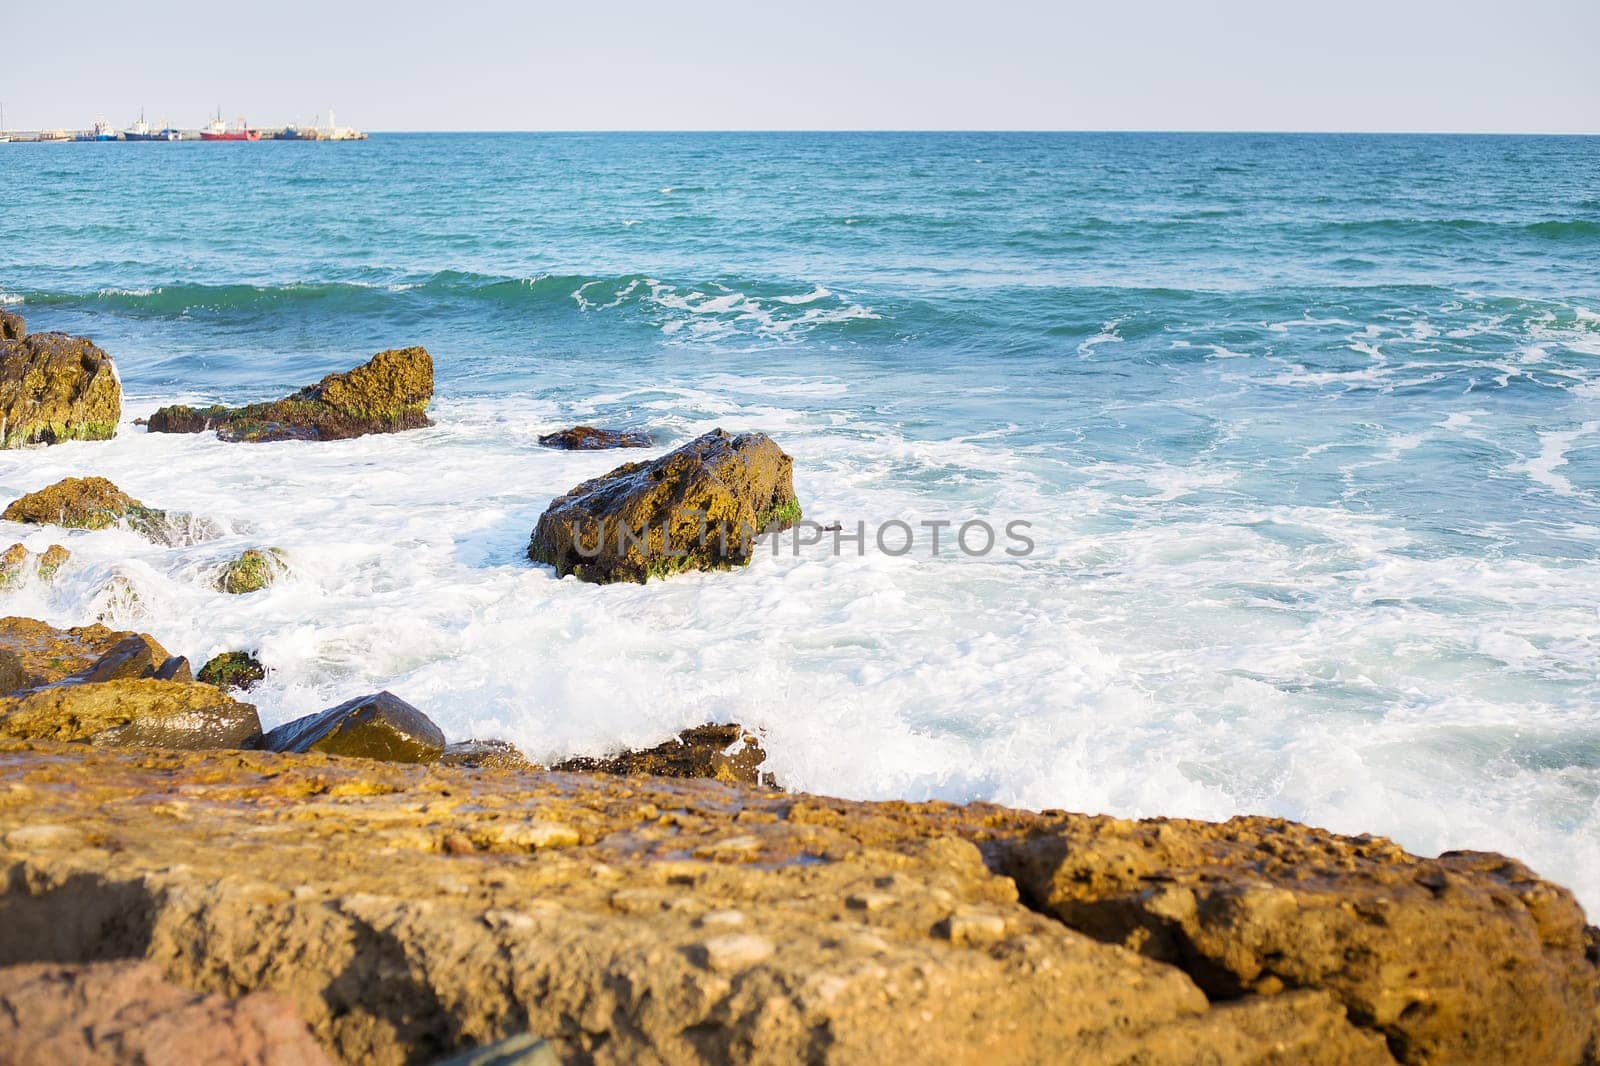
point(17, 562)
point(250, 572)
point(134, 656)
point(387, 394)
point(525, 1049)
point(719, 752)
point(49, 655)
point(410, 916)
point(126, 1014)
point(175, 668)
point(12, 327)
point(697, 508)
point(131, 712)
point(1467, 958)
point(96, 503)
point(13, 674)
point(589, 438)
point(56, 388)
point(232, 670)
point(379, 726)
point(485, 755)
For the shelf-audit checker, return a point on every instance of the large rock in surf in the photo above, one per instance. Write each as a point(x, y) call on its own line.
point(144, 712)
point(697, 508)
point(380, 726)
point(416, 912)
point(96, 503)
point(122, 1013)
point(591, 439)
point(387, 394)
point(56, 388)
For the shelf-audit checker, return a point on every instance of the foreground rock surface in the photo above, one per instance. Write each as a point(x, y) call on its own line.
point(97, 503)
point(592, 438)
point(387, 394)
point(415, 912)
point(126, 1014)
point(697, 508)
point(55, 388)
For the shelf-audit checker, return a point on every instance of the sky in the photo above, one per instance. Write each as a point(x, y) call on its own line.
point(1396, 65)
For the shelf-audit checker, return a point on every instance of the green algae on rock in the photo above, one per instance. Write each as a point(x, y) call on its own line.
point(591, 438)
point(55, 388)
point(96, 503)
point(17, 563)
point(387, 394)
point(251, 571)
point(699, 507)
point(232, 670)
point(131, 712)
point(380, 726)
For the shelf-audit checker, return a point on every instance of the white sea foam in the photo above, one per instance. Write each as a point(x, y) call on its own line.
point(1553, 447)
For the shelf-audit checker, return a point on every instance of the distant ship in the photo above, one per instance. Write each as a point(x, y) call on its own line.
point(221, 131)
point(141, 131)
point(103, 131)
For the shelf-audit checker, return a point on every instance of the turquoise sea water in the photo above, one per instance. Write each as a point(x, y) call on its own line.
point(1307, 428)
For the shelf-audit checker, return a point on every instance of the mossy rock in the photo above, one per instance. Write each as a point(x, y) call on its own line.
point(700, 507)
point(56, 388)
point(252, 571)
point(232, 670)
point(387, 394)
point(17, 562)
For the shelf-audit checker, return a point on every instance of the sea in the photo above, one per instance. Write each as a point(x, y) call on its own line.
point(1302, 433)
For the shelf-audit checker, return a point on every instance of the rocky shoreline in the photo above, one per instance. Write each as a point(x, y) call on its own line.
point(353, 885)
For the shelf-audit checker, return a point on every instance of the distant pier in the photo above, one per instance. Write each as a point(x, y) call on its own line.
point(281, 133)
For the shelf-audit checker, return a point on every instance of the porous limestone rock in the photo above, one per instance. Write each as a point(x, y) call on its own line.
point(699, 507)
point(131, 712)
point(55, 388)
point(380, 726)
point(416, 912)
point(126, 1014)
point(387, 394)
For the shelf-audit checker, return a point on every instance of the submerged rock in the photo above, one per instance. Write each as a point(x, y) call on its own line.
point(56, 388)
point(142, 712)
point(96, 503)
point(387, 394)
point(17, 562)
point(252, 571)
point(12, 328)
point(125, 1013)
point(485, 755)
point(233, 670)
point(697, 508)
point(719, 752)
point(418, 912)
point(589, 438)
point(380, 726)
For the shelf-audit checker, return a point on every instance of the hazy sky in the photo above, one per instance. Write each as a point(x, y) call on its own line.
point(818, 64)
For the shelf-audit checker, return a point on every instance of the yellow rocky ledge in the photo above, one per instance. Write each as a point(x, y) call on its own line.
point(411, 912)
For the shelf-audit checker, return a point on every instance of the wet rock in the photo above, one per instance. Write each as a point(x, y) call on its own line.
point(49, 654)
point(96, 503)
point(697, 508)
point(126, 1014)
point(134, 656)
point(389, 393)
point(719, 752)
point(12, 328)
point(17, 563)
point(56, 388)
point(485, 755)
point(252, 571)
point(1467, 958)
point(590, 438)
point(525, 1049)
point(175, 668)
point(380, 726)
point(131, 712)
point(232, 670)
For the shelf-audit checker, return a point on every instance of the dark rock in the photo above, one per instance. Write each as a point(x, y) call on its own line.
point(524, 1049)
point(175, 668)
point(389, 393)
point(126, 1014)
point(485, 755)
point(697, 508)
point(379, 726)
point(12, 328)
point(131, 712)
point(49, 654)
point(719, 752)
point(131, 657)
point(589, 438)
point(233, 670)
point(56, 388)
